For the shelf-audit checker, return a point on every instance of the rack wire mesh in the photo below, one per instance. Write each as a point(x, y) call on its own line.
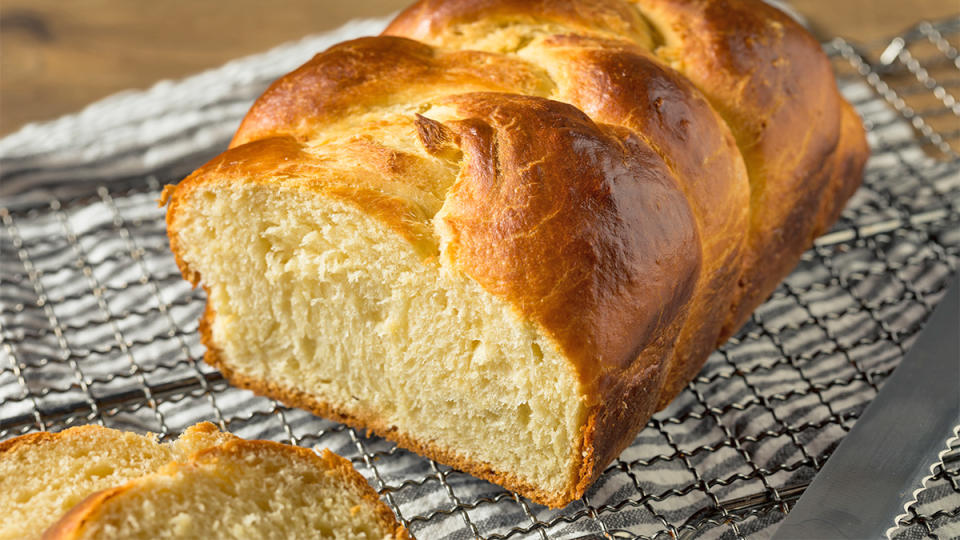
point(96, 326)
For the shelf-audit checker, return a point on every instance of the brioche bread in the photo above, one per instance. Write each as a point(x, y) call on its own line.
point(505, 232)
point(43, 475)
point(207, 484)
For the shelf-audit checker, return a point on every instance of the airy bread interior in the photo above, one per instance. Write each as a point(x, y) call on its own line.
point(311, 293)
point(242, 489)
point(44, 475)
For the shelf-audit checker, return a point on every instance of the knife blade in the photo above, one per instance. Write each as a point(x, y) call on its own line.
point(865, 483)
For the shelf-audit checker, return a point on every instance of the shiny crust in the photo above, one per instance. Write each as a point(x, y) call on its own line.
point(622, 84)
point(773, 86)
point(72, 524)
point(765, 76)
point(725, 113)
point(563, 252)
point(601, 18)
point(360, 74)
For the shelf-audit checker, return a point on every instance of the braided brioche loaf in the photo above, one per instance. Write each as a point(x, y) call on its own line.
point(505, 232)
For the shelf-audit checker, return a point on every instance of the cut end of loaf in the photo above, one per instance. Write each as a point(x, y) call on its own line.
point(306, 291)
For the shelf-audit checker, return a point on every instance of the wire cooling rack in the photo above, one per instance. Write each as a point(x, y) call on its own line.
point(97, 326)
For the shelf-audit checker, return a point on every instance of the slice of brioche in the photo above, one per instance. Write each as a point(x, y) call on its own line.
point(241, 489)
point(43, 475)
point(205, 484)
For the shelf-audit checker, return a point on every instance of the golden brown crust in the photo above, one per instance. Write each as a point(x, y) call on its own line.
point(845, 169)
point(566, 254)
point(724, 113)
point(774, 87)
point(619, 83)
point(763, 73)
point(363, 74)
point(600, 18)
point(73, 523)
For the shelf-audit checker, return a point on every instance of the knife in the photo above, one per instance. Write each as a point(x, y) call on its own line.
point(865, 483)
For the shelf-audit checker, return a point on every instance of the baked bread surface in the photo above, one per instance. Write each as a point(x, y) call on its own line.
point(505, 233)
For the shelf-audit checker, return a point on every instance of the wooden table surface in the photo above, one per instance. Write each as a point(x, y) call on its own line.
point(56, 56)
